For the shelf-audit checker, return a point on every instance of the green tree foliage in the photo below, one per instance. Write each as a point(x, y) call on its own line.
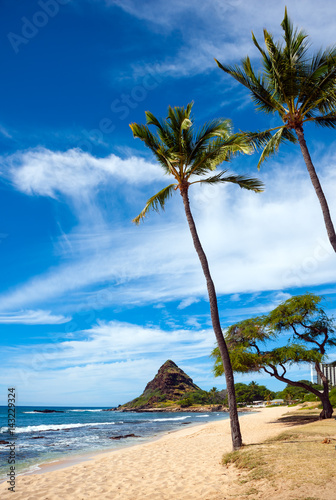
point(311, 334)
point(191, 157)
point(247, 393)
point(299, 393)
point(298, 86)
point(202, 398)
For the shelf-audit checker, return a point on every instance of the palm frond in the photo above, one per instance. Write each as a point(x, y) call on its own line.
point(216, 152)
point(295, 40)
point(257, 139)
point(244, 182)
point(261, 94)
point(318, 91)
point(328, 121)
point(156, 202)
point(158, 148)
point(273, 144)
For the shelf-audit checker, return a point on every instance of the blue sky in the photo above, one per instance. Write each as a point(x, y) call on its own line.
point(91, 305)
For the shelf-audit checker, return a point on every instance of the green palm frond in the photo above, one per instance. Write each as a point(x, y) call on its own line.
point(258, 139)
point(260, 93)
point(244, 182)
point(156, 202)
point(318, 86)
point(295, 40)
point(328, 121)
point(216, 152)
point(215, 128)
point(152, 120)
point(184, 154)
point(272, 146)
point(158, 148)
point(299, 86)
point(210, 130)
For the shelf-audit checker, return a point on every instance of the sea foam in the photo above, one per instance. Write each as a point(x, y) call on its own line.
point(54, 427)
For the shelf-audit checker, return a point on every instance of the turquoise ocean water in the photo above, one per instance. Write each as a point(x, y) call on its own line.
point(48, 437)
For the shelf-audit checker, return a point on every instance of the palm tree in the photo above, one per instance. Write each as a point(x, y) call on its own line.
point(300, 88)
point(213, 393)
point(189, 158)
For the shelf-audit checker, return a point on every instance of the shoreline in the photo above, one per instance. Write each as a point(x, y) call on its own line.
point(183, 463)
point(83, 456)
point(75, 459)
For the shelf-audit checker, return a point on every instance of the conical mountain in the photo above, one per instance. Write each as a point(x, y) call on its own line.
point(169, 384)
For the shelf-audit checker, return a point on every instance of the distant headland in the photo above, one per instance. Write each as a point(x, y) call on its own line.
point(173, 390)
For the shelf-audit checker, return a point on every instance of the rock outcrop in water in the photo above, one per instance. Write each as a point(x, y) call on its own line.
point(169, 384)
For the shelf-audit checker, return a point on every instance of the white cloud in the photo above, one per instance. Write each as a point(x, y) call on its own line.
point(108, 364)
point(111, 363)
point(30, 317)
point(187, 302)
point(5, 132)
point(254, 242)
point(222, 29)
point(72, 173)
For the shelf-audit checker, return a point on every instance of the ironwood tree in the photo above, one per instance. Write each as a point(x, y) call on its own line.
point(310, 331)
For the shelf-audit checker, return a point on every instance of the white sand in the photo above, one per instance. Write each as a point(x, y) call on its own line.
point(183, 465)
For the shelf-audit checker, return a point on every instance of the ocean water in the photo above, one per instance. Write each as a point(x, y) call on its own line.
point(48, 437)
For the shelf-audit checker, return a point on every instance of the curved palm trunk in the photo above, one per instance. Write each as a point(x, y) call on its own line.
point(317, 186)
point(234, 421)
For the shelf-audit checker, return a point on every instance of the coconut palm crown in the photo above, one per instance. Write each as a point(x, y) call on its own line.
point(192, 157)
point(299, 87)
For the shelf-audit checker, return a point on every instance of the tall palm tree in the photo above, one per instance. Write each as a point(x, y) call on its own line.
point(189, 157)
point(300, 88)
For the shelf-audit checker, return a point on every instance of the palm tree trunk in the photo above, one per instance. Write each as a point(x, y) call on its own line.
point(234, 420)
point(317, 186)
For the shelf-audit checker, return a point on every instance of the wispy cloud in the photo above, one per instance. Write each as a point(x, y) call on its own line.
point(124, 355)
point(30, 317)
point(223, 29)
point(5, 132)
point(111, 363)
point(254, 242)
point(72, 173)
point(187, 302)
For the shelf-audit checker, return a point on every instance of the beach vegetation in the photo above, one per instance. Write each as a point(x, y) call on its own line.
point(299, 394)
point(247, 393)
point(203, 398)
point(191, 157)
point(289, 454)
point(309, 333)
point(297, 85)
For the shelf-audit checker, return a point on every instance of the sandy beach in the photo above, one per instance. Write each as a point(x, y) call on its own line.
point(182, 465)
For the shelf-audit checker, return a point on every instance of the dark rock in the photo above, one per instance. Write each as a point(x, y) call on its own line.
point(216, 408)
point(4, 442)
point(38, 437)
point(125, 436)
point(48, 411)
